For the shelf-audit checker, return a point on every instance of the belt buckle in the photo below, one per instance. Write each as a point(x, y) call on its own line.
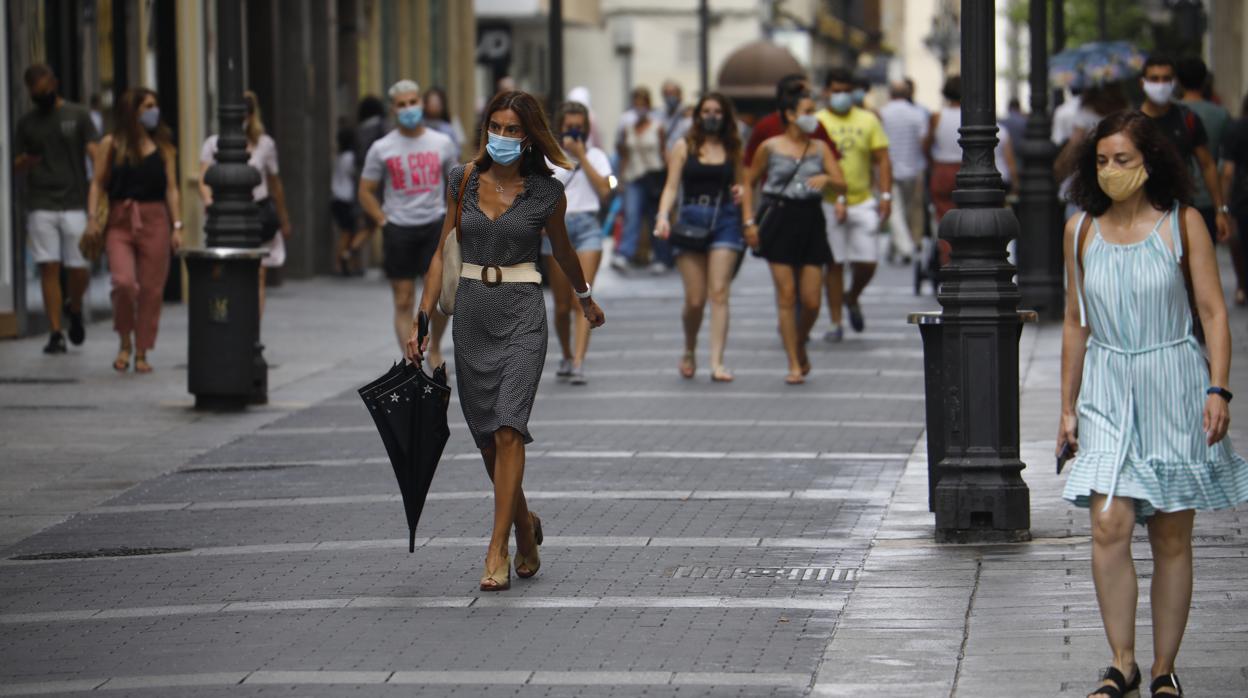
point(704, 200)
point(485, 275)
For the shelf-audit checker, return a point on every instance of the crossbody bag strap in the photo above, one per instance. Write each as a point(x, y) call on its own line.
point(459, 200)
point(719, 198)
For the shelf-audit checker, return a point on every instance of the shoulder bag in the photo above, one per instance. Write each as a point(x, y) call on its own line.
point(697, 238)
point(452, 253)
point(768, 213)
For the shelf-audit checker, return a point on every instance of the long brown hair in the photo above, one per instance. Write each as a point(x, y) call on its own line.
point(128, 132)
point(542, 145)
point(728, 134)
point(253, 126)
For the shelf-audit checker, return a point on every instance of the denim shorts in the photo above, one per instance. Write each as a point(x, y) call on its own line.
point(727, 234)
point(584, 232)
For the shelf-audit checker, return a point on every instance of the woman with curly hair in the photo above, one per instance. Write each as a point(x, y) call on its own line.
point(1144, 412)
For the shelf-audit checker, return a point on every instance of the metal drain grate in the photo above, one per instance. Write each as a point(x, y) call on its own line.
point(99, 552)
point(794, 574)
point(35, 380)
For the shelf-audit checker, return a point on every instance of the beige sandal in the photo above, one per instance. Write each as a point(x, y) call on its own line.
point(497, 580)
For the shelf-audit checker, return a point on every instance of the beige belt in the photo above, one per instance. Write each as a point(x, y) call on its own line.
point(493, 275)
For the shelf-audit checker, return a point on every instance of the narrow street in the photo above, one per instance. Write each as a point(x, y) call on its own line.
point(749, 539)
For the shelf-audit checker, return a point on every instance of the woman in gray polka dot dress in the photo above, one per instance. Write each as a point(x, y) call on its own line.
point(509, 197)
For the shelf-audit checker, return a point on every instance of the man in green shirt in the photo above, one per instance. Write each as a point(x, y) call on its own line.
point(1192, 75)
point(53, 143)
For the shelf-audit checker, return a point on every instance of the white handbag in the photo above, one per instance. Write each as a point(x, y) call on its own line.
point(452, 254)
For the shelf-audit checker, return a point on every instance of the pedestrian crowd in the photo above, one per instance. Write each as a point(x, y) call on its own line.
point(808, 187)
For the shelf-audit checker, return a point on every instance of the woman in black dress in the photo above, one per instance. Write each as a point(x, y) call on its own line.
point(500, 332)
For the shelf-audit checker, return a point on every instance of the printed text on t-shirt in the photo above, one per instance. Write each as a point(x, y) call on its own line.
point(415, 173)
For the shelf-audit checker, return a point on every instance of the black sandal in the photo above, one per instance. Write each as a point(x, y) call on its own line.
point(1119, 688)
point(1170, 680)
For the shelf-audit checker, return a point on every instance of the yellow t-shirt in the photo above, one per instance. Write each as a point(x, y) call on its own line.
point(856, 133)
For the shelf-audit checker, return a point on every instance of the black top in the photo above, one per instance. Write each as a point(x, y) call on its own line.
point(59, 136)
point(142, 182)
point(1184, 129)
point(1235, 149)
point(701, 180)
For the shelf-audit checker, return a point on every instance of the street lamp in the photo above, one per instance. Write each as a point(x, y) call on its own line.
point(972, 360)
point(943, 39)
point(225, 363)
point(1040, 246)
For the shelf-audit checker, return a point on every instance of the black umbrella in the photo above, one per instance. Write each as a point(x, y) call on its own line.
point(409, 408)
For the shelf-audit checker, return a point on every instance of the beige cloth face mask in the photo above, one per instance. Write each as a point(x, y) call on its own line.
point(1119, 183)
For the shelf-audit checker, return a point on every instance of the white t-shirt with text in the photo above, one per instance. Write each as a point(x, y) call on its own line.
point(413, 172)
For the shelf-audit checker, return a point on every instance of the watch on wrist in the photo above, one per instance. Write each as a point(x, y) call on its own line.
point(177, 225)
point(583, 294)
point(1220, 392)
point(1224, 209)
point(749, 222)
point(886, 196)
point(840, 199)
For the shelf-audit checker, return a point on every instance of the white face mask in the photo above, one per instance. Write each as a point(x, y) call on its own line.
point(808, 123)
point(1159, 93)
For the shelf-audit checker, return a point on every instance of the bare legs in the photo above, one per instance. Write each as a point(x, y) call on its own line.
point(1117, 588)
point(76, 281)
point(1171, 594)
point(504, 463)
point(794, 284)
point(565, 310)
point(861, 274)
point(707, 276)
point(404, 316)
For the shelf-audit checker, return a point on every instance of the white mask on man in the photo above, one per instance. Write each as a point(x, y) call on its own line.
point(1159, 93)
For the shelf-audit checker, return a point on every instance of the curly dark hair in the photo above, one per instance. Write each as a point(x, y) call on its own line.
point(1168, 176)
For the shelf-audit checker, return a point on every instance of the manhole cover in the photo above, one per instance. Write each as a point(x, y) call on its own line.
point(99, 552)
point(36, 380)
point(793, 574)
point(237, 468)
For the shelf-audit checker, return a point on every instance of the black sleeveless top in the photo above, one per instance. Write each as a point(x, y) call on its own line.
point(144, 181)
point(709, 181)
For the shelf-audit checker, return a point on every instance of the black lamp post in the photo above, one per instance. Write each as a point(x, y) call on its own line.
point(554, 36)
point(1040, 246)
point(979, 493)
point(225, 364)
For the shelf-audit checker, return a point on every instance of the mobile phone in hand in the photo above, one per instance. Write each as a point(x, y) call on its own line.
point(1066, 454)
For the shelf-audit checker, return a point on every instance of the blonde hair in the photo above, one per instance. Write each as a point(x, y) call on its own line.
point(254, 125)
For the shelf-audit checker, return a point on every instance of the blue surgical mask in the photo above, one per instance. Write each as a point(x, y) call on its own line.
point(410, 117)
point(859, 96)
point(502, 149)
point(150, 119)
point(840, 102)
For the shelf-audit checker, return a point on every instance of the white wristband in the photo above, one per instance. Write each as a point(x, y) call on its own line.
point(584, 295)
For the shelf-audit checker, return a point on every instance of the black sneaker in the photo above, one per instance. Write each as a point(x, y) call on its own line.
point(856, 320)
point(56, 344)
point(77, 331)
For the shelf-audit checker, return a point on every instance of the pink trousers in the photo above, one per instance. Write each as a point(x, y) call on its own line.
point(138, 241)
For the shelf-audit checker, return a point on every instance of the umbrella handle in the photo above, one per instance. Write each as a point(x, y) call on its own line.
point(422, 327)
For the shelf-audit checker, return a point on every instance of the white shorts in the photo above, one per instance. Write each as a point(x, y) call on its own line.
point(53, 237)
point(854, 240)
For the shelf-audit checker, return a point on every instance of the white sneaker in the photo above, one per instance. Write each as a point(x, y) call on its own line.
point(565, 368)
point(657, 268)
point(835, 335)
point(620, 264)
point(578, 376)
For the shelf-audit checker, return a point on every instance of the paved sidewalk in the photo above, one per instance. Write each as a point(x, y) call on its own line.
point(749, 539)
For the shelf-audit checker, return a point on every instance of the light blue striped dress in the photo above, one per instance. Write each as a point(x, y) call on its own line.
point(1141, 404)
